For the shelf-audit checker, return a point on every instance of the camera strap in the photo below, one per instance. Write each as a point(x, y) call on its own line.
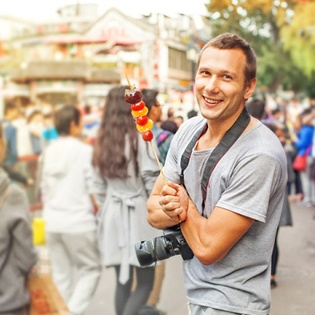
point(224, 145)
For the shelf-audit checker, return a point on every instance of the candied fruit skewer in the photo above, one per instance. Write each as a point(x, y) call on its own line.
point(134, 97)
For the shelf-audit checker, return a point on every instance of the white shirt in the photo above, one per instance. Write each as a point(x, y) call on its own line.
point(66, 186)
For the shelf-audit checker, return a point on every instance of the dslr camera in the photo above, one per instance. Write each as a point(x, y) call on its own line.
point(170, 244)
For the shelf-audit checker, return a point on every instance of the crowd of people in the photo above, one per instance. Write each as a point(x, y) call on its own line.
point(101, 190)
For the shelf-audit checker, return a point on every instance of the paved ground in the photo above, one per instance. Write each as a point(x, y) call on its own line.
point(296, 275)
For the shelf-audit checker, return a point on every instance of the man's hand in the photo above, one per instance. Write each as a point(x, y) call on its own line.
point(174, 202)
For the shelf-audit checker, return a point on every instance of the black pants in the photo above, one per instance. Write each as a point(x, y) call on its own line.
point(275, 255)
point(129, 302)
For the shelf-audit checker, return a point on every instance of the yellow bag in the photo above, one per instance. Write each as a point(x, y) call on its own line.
point(38, 227)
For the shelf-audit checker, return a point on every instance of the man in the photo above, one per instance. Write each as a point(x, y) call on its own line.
point(232, 230)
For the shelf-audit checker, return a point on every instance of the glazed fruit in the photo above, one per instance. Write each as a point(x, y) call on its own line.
point(138, 113)
point(137, 106)
point(142, 120)
point(133, 96)
point(143, 128)
point(147, 136)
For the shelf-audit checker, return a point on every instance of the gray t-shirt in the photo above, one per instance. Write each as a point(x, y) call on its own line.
point(249, 180)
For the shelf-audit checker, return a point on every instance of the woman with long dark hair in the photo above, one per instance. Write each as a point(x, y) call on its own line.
point(126, 172)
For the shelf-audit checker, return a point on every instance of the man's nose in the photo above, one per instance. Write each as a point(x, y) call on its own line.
point(213, 84)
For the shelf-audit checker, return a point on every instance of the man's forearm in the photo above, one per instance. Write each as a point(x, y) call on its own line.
point(156, 216)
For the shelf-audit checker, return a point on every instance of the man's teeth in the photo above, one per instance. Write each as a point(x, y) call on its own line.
point(211, 101)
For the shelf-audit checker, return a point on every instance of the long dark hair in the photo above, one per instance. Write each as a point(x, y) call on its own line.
point(109, 150)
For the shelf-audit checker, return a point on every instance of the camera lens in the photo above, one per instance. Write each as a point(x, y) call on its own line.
point(149, 252)
point(144, 251)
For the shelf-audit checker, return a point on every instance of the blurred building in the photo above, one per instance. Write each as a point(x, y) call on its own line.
point(81, 55)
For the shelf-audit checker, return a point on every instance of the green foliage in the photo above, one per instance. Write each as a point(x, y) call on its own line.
point(273, 27)
point(299, 38)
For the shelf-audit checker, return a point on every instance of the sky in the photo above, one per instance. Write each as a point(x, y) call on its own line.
point(40, 10)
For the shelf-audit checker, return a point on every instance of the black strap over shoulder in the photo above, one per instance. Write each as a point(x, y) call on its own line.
point(225, 144)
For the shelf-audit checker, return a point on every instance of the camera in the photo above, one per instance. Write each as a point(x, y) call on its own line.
point(170, 244)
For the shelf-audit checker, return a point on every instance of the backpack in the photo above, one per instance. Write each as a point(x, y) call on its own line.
point(162, 144)
point(162, 136)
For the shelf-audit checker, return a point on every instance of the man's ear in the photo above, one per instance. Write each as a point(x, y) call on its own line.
point(72, 128)
point(250, 89)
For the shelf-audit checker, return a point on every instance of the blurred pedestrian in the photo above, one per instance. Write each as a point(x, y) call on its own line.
point(17, 253)
point(36, 127)
point(192, 113)
point(256, 107)
point(169, 125)
point(11, 112)
point(303, 142)
point(9, 163)
point(179, 120)
point(69, 212)
point(49, 132)
point(127, 170)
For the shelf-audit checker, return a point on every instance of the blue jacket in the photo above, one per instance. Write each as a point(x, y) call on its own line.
point(10, 133)
point(305, 139)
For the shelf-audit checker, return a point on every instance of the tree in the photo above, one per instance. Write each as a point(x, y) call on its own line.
point(261, 22)
point(299, 37)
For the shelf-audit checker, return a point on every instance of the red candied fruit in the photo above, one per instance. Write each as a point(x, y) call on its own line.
point(133, 96)
point(137, 106)
point(147, 136)
point(142, 120)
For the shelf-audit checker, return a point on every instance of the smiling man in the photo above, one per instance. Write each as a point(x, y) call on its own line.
point(230, 222)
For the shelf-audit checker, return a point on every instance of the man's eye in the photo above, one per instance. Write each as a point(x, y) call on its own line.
point(205, 72)
point(227, 77)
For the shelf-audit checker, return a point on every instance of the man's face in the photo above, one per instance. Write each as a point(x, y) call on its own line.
point(220, 84)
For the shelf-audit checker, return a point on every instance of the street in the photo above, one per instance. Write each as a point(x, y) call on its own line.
point(294, 294)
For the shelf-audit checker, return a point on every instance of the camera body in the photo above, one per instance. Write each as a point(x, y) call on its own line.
point(170, 244)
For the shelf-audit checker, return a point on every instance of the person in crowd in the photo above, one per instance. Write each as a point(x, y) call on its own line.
point(17, 253)
point(256, 107)
point(179, 119)
point(231, 226)
point(169, 125)
point(90, 123)
point(294, 109)
point(23, 137)
point(125, 174)
point(36, 126)
point(192, 113)
point(170, 114)
point(49, 132)
point(303, 141)
point(11, 113)
point(69, 212)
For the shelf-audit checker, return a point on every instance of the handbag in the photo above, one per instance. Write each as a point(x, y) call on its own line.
point(45, 298)
point(299, 163)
